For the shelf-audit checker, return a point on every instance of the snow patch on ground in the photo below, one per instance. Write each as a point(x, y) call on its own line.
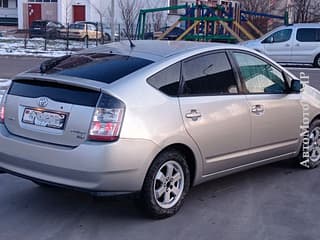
point(36, 47)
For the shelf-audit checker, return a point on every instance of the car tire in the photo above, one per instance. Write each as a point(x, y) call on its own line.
point(107, 37)
point(316, 62)
point(169, 178)
point(309, 156)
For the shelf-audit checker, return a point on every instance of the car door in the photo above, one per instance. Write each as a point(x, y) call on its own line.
point(276, 114)
point(306, 43)
point(92, 31)
point(278, 45)
point(214, 114)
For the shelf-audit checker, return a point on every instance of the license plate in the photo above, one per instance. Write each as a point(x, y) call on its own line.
point(44, 118)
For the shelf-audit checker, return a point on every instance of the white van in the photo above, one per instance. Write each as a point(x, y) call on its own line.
point(297, 43)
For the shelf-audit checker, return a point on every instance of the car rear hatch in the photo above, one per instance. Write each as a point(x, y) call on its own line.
point(62, 103)
point(50, 112)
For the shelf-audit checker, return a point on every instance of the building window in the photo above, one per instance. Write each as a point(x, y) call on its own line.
point(4, 3)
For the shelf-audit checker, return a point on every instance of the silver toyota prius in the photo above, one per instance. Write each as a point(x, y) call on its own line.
point(155, 117)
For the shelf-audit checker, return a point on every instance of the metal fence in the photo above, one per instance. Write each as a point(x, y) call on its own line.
point(88, 33)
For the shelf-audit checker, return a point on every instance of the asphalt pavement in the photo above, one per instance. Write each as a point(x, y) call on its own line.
point(312, 73)
point(10, 66)
point(273, 202)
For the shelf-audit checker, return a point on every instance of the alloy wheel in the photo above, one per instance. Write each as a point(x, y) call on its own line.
point(314, 145)
point(168, 184)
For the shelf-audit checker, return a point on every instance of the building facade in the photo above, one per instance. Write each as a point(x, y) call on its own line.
point(8, 12)
point(64, 11)
point(69, 11)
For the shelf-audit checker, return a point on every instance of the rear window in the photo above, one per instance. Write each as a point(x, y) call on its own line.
point(99, 67)
point(54, 91)
point(77, 26)
point(38, 24)
point(308, 35)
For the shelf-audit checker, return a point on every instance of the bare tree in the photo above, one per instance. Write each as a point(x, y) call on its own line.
point(156, 19)
point(67, 5)
point(256, 5)
point(102, 10)
point(303, 10)
point(129, 10)
point(306, 10)
point(259, 6)
point(112, 18)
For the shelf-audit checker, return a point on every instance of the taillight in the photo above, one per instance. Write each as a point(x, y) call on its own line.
point(107, 119)
point(1, 114)
point(4, 85)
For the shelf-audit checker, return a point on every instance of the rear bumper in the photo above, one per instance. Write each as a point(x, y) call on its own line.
point(97, 167)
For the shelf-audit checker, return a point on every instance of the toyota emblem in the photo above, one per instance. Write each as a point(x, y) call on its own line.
point(43, 101)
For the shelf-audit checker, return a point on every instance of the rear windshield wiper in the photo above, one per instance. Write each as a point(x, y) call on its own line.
point(51, 63)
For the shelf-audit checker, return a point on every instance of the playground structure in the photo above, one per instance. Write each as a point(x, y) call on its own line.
point(211, 21)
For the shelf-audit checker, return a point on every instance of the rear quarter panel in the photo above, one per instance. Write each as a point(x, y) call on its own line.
point(153, 116)
point(311, 100)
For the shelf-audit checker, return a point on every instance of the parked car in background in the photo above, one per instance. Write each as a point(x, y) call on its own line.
point(107, 34)
point(293, 44)
point(82, 31)
point(156, 118)
point(172, 35)
point(45, 29)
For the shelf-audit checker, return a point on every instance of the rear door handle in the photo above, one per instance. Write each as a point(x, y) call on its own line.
point(257, 109)
point(193, 114)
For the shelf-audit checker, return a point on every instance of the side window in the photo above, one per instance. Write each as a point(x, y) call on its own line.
point(260, 76)
point(280, 36)
point(308, 35)
point(167, 80)
point(208, 75)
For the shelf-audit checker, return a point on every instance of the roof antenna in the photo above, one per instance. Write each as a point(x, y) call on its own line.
point(131, 43)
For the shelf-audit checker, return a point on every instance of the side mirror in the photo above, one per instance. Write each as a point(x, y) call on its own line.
point(271, 39)
point(296, 86)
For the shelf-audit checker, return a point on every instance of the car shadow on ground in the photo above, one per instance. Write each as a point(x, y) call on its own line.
point(56, 200)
